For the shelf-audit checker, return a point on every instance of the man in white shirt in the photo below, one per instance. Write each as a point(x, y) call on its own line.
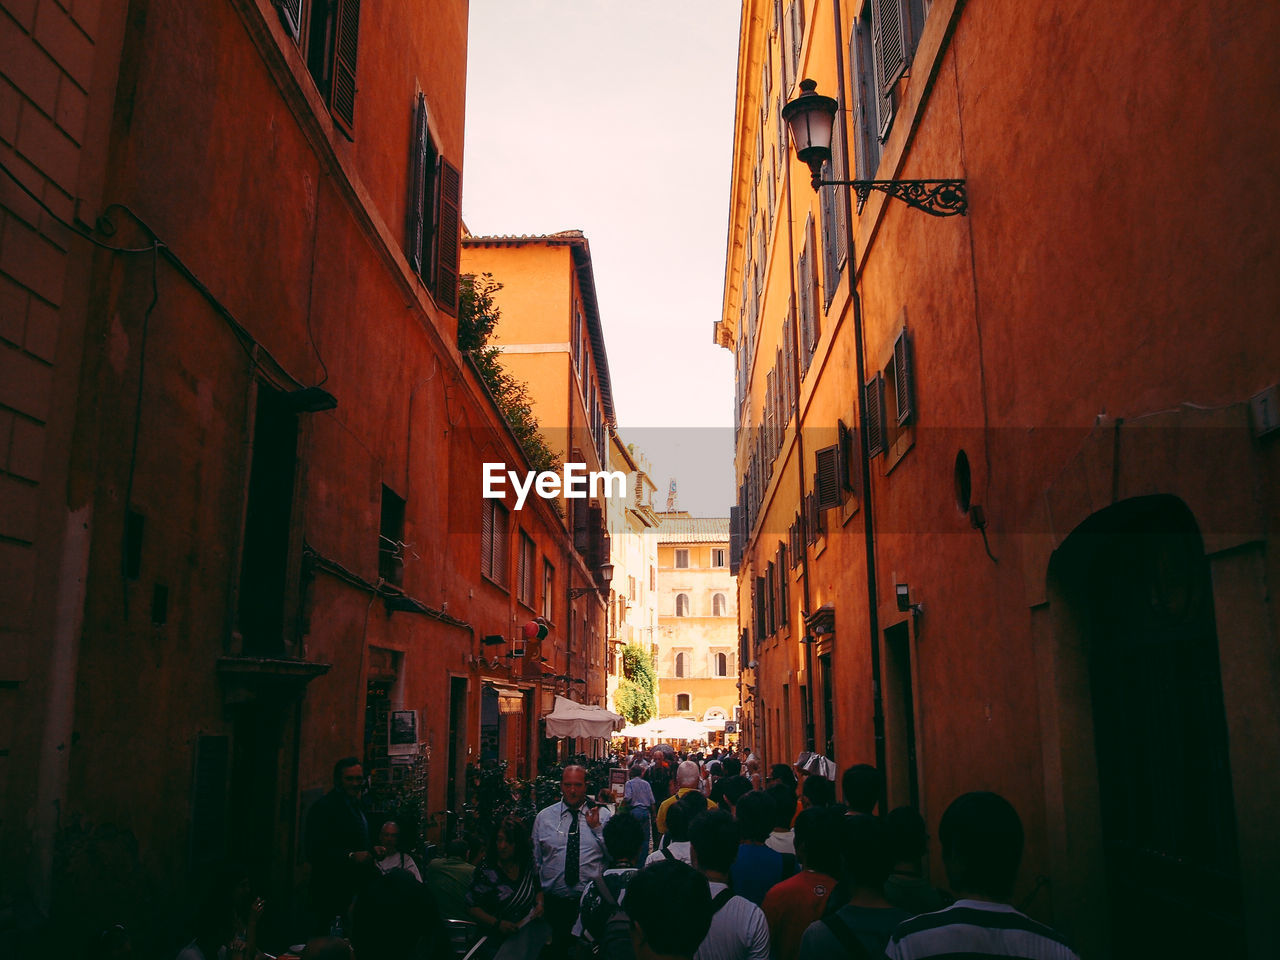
point(739, 930)
point(568, 851)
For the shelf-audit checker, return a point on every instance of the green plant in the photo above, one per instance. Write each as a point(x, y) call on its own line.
point(478, 315)
point(637, 694)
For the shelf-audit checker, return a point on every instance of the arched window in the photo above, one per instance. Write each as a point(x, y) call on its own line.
point(682, 604)
point(718, 605)
point(722, 664)
point(682, 701)
point(679, 664)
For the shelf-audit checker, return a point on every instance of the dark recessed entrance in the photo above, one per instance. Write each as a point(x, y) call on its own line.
point(1138, 580)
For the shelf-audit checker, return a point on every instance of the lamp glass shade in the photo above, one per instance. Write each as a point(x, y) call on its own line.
point(811, 118)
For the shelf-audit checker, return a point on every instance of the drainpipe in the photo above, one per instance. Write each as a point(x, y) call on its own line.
point(868, 526)
point(793, 319)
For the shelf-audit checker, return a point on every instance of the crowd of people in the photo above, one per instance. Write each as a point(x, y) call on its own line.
point(704, 856)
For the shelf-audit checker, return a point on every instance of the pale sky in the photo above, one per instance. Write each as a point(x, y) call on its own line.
point(616, 118)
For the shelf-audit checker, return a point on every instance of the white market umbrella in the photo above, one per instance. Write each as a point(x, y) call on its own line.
point(572, 719)
point(677, 728)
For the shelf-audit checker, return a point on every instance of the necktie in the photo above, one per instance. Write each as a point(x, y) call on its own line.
point(571, 853)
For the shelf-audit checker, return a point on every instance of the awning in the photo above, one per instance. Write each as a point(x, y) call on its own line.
point(572, 719)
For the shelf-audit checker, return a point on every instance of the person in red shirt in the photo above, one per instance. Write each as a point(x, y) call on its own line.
point(791, 905)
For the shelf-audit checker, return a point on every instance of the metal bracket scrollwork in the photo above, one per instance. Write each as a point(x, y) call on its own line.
point(938, 198)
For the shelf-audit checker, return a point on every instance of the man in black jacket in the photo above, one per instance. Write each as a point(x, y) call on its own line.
point(337, 844)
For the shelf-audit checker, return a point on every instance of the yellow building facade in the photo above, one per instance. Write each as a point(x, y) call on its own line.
point(696, 650)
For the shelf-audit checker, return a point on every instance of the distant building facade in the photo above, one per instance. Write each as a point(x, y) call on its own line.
point(633, 593)
point(697, 646)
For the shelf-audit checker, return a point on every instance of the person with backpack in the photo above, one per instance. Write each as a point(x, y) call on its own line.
point(675, 842)
point(860, 929)
point(666, 917)
point(605, 893)
point(738, 928)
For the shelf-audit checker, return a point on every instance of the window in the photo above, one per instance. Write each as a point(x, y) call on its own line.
point(653, 578)
point(806, 294)
point(682, 605)
point(718, 605)
point(835, 239)
point(826, 477)
point(722, 664)
point(880, 50)
point(631, 588)
point(493, 542)
point(718, 556)
point(682, 701)
point(548, 590)
point(391, 538)
point(682, 559)
point(332, 44)
point(434, 218)
point(525, 590)
point(873, 406)
point(679, 664)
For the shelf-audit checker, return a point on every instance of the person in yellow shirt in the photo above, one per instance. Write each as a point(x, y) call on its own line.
point(686, 780)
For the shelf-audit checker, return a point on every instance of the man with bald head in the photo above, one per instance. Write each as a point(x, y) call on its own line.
point(568, 852)
point(687, 779)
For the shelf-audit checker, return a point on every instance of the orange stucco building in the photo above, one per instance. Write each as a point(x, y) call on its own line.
point(550, 337)
point(1011, 475)
point(243, 521)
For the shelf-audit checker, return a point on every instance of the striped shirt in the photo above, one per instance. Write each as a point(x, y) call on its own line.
point(971, 928)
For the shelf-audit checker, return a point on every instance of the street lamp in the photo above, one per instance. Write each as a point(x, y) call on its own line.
point(811, 118)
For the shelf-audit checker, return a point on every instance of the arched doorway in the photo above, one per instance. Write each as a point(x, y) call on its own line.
point(1139, 600)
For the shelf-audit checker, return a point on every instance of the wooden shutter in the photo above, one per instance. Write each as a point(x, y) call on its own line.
point(290, 15)
point(771, 609)
point(826, 479)
point(867, 152)
point(788, 77)
point(847, 453)
point(902, 380)
point(486, 538)
point(873, 412)
point(840, 169)
point(789, 352)
point(346, 44)
point(759, 595)
point(890, 30)
point(783, 156)
point(500, 543)
point(780, 564)
point(448, 227)
point(797, 38)
point(415, 232)
point(735, 541)
point(828, 208)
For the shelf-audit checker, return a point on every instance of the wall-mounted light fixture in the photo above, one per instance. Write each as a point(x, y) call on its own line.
point(811, 117)
point(493, 639)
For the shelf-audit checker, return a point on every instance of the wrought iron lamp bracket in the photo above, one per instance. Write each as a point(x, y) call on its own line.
point(938, 198)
